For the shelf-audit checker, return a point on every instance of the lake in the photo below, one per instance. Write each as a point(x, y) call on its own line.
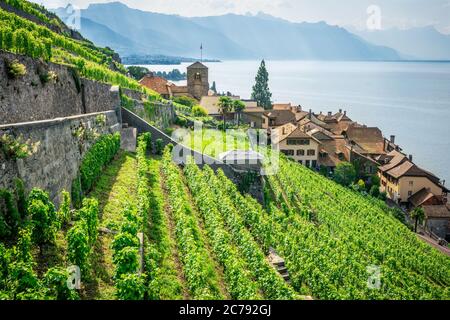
point(410, 100)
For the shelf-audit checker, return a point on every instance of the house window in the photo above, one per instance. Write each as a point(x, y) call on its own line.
point(311, 152)
point(308, 163)
point(411, 183)
point(301, 142)
point(300, 152)
point(314, 164)
point(300, 161)
point(288, 152)
point(409, 193)
point(198, 76)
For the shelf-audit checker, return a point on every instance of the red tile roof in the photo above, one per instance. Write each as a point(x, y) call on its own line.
point(157, 84)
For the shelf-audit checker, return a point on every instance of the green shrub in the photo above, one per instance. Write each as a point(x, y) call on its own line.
point(182, 122)
point(43, 216)
point(186, 101)
point(55, 280)
point(15, 148)
point(131, 287)
point(76, 192)
point(78, 248)
point(89, 214)
point(345, 173)
point(50, 76)
point(22, 281)
point(123, 240)
point(126, 261)
point(199, 111)
point(375, 191)
point(159, 146)
point(64, 208)
point(11, 217)
point(15, 69)
point(22, 250)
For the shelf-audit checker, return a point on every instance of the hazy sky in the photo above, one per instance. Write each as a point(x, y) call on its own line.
point(398, 13)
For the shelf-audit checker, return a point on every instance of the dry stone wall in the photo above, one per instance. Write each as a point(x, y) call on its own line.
point(30, 98)
point(60, 146)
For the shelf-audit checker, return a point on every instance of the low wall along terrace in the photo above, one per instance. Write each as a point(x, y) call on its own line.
point(59, 145)
point(49, 91)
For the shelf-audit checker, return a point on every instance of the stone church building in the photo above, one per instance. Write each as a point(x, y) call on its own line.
point(197, 83)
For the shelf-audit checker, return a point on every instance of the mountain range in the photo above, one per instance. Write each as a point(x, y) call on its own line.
point(425, 43)
point(134, 32)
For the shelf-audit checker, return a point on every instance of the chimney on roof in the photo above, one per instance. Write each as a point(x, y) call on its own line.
point(340, 110)
point(410, 158)
point(345, 112)
point(299, 108)
point(329, 113)
point(392, 139)
point(310, 114)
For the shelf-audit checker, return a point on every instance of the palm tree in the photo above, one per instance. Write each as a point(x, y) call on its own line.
point(225, 106)
point(238, 107)
point(418, 214)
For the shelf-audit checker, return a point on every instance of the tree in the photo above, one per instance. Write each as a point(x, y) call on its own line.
point(418, 214)
point(225, 106)
point(137, 72)
point(344, 173)
point(261, 92)
point(238, 107)
point(213, 87)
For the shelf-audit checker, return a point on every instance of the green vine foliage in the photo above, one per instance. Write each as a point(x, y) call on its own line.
point(78, 248)
point(10, 217)
point(64, 208)
point(126, 261)
point(43, 216)
point(131, 287)
point(55, 280)
point(100, 154)
point(89, 214)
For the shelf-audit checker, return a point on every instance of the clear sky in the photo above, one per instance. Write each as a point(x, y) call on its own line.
point(394, 13)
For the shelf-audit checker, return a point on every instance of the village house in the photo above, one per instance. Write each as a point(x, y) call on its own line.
point(401, 179)
point(197, 83)
point(282, 114)
point(296, 144)
point(437, 220)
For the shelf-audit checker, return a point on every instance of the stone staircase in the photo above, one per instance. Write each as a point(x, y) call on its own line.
point(279, 265)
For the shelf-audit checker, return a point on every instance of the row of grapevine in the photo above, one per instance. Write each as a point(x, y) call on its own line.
point(82, 236)
point(164, 283)
point(365, 235)
point(238, 277)
point(271, 283)
point(100, 154)
point(199, 271)
point(130, 282)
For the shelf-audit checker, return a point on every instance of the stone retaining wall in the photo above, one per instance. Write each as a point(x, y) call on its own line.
point(29, 98)
point(59, 150)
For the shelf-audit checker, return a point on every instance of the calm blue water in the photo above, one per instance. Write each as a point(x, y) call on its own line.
point(409, 100)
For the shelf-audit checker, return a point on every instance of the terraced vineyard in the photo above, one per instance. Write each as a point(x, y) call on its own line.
point(205, 240)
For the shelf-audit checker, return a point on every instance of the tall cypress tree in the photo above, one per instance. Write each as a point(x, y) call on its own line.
point(261, 92)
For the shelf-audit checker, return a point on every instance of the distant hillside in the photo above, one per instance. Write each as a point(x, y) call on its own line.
point(31, 30)
point(417, 43)
point(224, 37)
